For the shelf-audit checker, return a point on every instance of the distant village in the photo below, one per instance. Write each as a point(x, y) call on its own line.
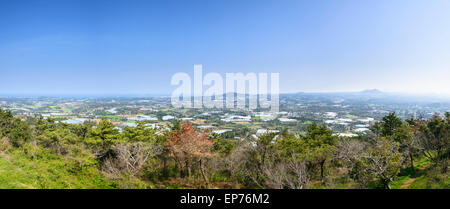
point(346, 117)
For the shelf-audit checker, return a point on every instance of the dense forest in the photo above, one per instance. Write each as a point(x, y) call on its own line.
point(46, 154)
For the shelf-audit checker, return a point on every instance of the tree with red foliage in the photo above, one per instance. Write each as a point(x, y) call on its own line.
point(190, 146)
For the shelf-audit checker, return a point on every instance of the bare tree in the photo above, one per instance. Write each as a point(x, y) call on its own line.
point(288, 173)
point(349, 151)
point(131, 157)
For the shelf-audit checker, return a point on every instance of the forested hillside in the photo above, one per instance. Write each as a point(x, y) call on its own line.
point(394, 154)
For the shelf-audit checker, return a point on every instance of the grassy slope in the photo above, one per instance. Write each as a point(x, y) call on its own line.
point(46, 171)
point(408, 173)
point(34, 167)
point(431, 178)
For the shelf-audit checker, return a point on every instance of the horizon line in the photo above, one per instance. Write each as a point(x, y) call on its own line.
point(169, 94)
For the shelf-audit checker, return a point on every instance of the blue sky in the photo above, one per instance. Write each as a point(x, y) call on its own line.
point(129, 47)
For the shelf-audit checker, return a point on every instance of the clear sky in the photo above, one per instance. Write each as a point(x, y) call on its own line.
point(107, 47)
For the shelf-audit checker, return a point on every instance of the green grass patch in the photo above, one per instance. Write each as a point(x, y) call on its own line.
point(407, 173)
point(113, 117)
point(307, 123)
point(351, 116)
point(432, 178)
point(38, 169)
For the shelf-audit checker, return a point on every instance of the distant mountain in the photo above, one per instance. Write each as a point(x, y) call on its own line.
point(371, 91)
